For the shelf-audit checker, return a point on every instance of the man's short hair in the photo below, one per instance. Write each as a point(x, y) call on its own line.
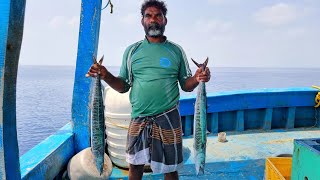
point(154, 3)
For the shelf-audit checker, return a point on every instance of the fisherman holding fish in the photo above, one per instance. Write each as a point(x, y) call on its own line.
point(152, 69)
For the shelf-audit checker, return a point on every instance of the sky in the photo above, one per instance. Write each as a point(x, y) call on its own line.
point(232, 33)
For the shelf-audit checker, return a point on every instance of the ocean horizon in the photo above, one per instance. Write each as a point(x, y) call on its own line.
point(44, 93)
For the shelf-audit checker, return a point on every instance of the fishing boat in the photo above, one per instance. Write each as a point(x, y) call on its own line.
point(258, 123)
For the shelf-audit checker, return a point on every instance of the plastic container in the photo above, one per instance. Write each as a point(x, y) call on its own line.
point(222, 137)
point(278, 168)
point(117, 119)
point(306, 159)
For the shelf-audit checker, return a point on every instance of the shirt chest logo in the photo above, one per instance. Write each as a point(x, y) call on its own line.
point(165, 62)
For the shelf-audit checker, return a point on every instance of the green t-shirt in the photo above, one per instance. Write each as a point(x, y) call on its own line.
point(155, 70)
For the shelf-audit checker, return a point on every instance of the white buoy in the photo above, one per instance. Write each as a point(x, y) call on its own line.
point(82, 166)
point(117, 119)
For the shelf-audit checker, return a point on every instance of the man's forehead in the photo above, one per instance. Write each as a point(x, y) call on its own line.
point(153, 10)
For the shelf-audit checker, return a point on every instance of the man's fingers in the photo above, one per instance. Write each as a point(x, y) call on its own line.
point(95, 67)
point(206, 71)
point(92, 73)
point(204, 77)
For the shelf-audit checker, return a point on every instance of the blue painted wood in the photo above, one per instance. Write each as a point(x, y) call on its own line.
point(87, 48)
point(227, 121)
point(11, 31)
point(279, 118)
point(187, 130)
point(254, 118)
point(253, 99)
point(317, 117)
point(214, 120)
point(253, 102)
point(305, 117)
point(291, 118)
point(268, 119)
point(240, 121)
point(47, 159)
point(4, 23)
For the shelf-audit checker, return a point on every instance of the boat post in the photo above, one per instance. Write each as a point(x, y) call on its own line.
point(11, 31)
point(87, 47)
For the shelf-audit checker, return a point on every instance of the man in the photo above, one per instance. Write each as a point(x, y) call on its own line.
point(152, 69)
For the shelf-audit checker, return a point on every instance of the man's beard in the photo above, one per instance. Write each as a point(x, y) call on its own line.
point(154, 30)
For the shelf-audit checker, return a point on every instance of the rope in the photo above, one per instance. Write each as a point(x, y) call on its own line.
point(111, 6)
point(317, 98)
point(316, 115)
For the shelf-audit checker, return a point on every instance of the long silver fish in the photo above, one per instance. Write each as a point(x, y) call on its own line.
point(97, 122)
point(200, 124)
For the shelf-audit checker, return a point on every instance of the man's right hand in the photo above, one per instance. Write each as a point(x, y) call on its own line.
point(114, 82)
point(96, 69)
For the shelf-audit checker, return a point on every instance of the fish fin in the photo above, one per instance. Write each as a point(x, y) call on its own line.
point(198, 65)
point(101, 60)
point(206, 63)
point(94, 60)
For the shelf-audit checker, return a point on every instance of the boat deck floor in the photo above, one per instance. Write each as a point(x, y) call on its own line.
point(241, 157)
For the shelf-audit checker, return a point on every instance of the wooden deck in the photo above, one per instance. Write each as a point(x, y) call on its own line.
point(242, 157)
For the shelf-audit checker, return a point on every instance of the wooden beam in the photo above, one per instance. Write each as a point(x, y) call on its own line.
point(267, 119)
point(11, 31)
point(188, 126)
point(291, 117)
point(214, 118)
point(240, 121)
point(87, 47)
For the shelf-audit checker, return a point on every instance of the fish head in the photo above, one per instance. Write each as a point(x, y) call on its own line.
point(200, 162)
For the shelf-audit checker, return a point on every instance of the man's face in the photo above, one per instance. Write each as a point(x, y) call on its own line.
point(153, 22)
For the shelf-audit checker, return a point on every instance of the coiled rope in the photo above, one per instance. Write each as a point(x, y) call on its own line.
point(317, 98)
point(316, 109)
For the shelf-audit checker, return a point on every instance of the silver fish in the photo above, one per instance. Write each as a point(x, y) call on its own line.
point(97, 122)
point(200, 124)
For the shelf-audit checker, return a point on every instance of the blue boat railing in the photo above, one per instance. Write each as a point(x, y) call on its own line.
point(264, 109)
point(256, 109)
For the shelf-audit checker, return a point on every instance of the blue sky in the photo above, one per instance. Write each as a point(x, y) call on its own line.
point(232, 33)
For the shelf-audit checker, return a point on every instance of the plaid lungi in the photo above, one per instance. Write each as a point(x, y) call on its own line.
point(156, 141)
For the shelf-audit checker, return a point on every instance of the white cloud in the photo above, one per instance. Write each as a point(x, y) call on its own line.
point(277, 15)
point(297, 32)
point(216, 1)
point(74, 21)
point(57, 22)
point(213, 26)
point(130, 19)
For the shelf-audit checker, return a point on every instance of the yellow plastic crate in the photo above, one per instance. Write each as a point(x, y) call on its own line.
point(278, 168)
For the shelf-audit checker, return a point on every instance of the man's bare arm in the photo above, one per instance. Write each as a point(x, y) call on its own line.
point(114, 82)
point(192, 82)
